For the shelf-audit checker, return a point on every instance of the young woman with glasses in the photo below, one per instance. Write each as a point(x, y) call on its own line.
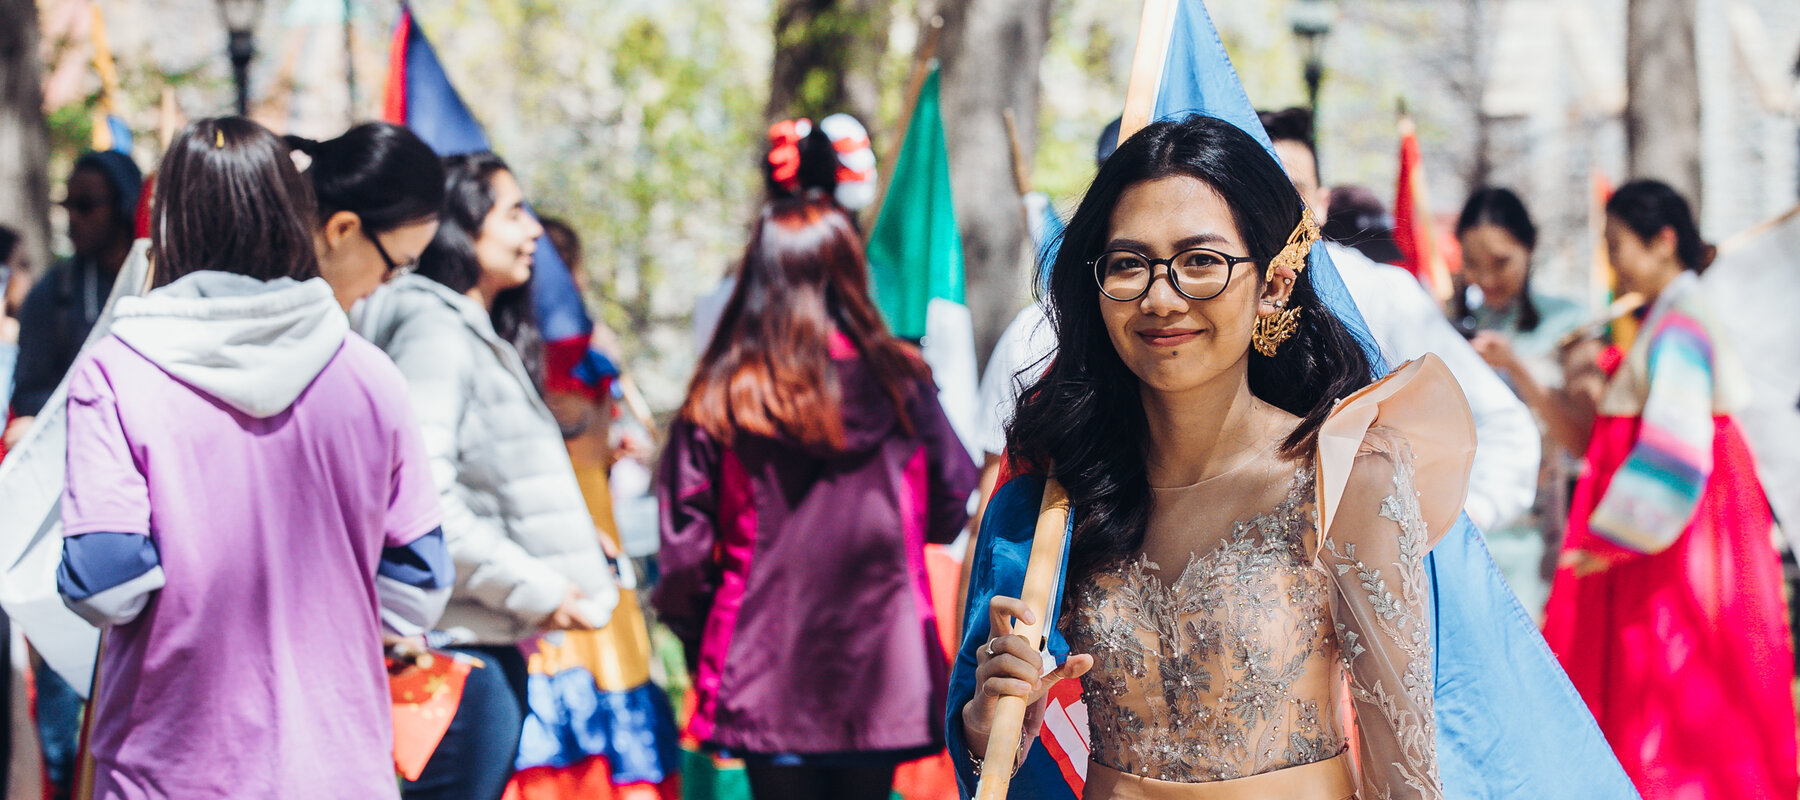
point(380, 189)
point(1229, 571)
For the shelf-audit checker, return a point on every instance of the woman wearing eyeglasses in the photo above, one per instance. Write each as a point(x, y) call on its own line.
point(527, 554)
point(1249, 527)
point(380, 189)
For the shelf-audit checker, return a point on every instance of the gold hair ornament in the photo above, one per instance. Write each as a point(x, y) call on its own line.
point(1299, 243)
point(1273, 329)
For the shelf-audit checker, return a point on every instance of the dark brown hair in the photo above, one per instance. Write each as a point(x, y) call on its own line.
point(768, 371)
point(1648, 207)
point(229, 199)
point(450, 257)
point(1500, 207)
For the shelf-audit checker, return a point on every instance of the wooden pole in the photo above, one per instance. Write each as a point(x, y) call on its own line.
point(1040, 583)
point(84, 760)
point(640, 408)
point(168, 118)
point(915, 83)
point(1021, 170)
point(1146, 66)
point(109, 80)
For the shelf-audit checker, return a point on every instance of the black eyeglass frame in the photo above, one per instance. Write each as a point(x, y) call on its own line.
point(1168, 265)
point(394, 270)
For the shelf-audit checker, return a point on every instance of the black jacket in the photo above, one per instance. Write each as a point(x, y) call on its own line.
point(54, 321)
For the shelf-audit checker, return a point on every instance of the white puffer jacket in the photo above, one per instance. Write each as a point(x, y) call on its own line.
point(514, 518)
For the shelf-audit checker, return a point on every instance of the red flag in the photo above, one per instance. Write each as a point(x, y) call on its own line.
point(1412, 219)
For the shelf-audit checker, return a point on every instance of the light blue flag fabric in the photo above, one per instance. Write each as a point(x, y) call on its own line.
point(1509, 723)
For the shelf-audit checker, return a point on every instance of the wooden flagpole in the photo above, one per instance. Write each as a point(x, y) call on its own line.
point(109, 79)
point(1050, 536)
point(915, 83)
point(1040, 583)
point(1146, 66)
point(1021, 170)
point(639, 407)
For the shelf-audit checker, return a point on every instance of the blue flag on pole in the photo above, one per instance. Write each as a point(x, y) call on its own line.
point(1509, 723)
point(421, 97)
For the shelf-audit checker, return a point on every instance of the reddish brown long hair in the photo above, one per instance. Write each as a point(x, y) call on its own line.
point(768, 370)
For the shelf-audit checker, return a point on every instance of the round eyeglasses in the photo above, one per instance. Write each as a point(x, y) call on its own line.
point(1198, 273)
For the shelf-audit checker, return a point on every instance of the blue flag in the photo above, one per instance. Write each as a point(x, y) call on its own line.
point(421, 97)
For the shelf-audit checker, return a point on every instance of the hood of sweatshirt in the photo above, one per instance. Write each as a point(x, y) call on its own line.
point(255, 345)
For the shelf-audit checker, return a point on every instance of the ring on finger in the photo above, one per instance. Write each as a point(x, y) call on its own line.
point(990, 648)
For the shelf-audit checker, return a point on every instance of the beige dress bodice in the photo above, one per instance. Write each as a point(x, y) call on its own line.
point(1222, 648)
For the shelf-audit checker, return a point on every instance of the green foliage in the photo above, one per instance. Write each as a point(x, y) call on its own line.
point(72, 128)
point(638, 123)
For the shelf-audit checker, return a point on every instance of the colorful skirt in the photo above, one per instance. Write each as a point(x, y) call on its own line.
point(1683, 655)
point(596, 726)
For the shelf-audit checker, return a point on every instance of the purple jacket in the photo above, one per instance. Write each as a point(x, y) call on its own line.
point(797, 578)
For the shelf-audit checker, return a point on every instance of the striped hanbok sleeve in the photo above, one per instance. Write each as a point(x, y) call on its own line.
point(1654, 495)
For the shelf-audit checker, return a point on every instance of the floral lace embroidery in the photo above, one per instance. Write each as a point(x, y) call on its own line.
point(1232, 670)
point(1216, 653)
point(1399, 620)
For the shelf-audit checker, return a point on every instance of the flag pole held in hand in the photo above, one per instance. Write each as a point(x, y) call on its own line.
point(1040, 584)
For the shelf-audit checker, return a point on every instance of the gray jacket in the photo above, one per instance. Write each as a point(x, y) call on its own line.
point(514, 517)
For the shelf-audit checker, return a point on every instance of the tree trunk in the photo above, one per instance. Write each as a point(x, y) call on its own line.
point(1662, 107)
point(828, 56)
point(24, 138)
point(990, 52)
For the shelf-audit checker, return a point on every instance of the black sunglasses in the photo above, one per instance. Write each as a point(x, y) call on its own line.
point(83, 206)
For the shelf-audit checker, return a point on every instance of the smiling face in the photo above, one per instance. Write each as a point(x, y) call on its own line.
point(1642, 266)
point(507, 239)
point(1496, 261)
point(1172, 343)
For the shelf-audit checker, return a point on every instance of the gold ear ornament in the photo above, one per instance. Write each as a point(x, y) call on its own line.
point(1299, 243)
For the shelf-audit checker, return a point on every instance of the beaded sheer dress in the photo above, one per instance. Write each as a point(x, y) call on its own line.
point(1222, 648)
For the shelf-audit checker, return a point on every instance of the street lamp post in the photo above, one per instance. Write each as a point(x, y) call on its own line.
point(240, 22)
point(1311, 21)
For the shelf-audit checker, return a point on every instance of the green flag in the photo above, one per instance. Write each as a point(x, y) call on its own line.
point(915, 252)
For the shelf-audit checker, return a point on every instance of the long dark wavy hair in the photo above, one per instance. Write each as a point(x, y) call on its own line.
point(1083, 422)
point(450, 258)
point(768, 369)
